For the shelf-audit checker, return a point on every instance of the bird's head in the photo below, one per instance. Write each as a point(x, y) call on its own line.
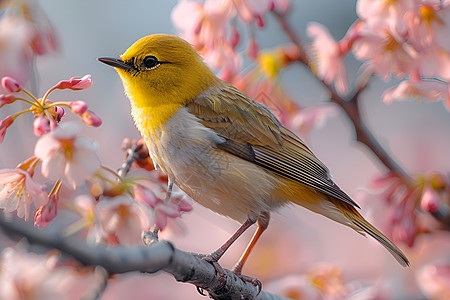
point(161, 69)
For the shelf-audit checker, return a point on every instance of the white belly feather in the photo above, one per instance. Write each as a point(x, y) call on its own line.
point(228, 185)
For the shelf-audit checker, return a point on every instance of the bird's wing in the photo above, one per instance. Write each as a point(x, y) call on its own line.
point(253, 133)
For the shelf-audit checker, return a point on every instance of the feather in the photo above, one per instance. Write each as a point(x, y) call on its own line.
point(251, 132)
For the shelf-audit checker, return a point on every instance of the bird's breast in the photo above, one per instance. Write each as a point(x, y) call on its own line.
point(187, 152)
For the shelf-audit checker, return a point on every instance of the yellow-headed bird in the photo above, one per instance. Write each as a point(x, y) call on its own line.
point(225, 150)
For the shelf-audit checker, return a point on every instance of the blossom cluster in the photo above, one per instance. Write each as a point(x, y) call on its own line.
point(409, 203)
point(25, 33)
point(117, 210)
point(212, 28)
point(406, 38)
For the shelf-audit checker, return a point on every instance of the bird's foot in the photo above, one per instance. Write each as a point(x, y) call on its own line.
point(212, 259)
point(246, 278)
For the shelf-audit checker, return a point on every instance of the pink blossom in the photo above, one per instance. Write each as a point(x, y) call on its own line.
point(85, 206)
point(78, 107)
point(442, 27)
point(225, 59)
point(203, 25)
point(4, 124)
point(253, 49)
point(37, 277)
point(434, 280)
point(15, 51)
point(430, 200)
point(426, 26)
point(25, 32)
point(10, 85)
point(328, 62)
point(294, 287)
point(405, 231)
point(41, 125)
point(75, 83)
point(385, 53)
point(45, 214)
point(331, 281)
point(124, 218)
point(182, 204)
point(280, 6)
point(400, 200)
point(430, 90)
point(144, 195)
point(18, 191)
point(250, 10)
point(308, 118)
point(433, 63)
point(6, 99)
point(384, 14)
point(66, 155)
point(443, 66)
point(90, 118)
point(164, 210)
point(153, 194)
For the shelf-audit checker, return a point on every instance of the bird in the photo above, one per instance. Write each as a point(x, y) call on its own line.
point(225, 150)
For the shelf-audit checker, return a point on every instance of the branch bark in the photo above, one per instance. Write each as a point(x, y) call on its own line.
point(158, 256)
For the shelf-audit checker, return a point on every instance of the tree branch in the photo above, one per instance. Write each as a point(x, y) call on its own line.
point(351, 108)
point(158, 256)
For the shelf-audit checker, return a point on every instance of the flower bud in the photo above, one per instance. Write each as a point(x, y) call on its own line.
point(59, 113)
point(4, 124)
point(78, 107)
point(41, 125)
point(91, 119)
point(10, 85)
point(430, 200)
point(46, 213)
point(6, 99)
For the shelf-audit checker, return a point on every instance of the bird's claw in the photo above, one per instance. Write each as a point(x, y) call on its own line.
point(252, 280)
point(219, 270)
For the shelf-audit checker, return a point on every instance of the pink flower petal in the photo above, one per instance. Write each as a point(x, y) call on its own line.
point(75, 83)
point(41, 125)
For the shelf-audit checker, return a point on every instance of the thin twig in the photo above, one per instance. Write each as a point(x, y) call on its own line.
point(132, 155)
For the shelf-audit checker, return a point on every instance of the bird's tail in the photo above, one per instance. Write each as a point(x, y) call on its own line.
point(338, 211)
point(362, 226)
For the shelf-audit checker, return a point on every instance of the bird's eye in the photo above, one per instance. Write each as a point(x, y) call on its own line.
point(150, 62)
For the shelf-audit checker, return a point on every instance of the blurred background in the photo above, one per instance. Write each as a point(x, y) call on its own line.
point(298, 242)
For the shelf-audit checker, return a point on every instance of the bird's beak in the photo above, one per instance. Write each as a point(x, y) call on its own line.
point(115, 62)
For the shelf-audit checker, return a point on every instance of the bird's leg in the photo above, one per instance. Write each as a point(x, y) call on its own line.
point(216, 255)
point(263, 223)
